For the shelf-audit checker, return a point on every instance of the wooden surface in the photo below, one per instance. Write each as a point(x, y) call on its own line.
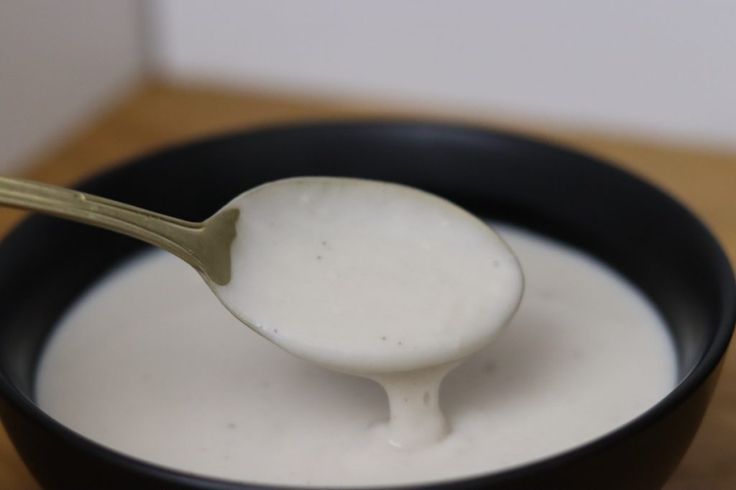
point(158, 115)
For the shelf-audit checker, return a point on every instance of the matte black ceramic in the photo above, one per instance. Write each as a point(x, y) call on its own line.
point(45, 264)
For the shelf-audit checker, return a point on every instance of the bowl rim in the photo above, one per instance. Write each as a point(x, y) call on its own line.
point(692, 381)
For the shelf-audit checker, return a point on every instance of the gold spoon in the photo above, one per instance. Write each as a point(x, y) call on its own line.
point(205, 246)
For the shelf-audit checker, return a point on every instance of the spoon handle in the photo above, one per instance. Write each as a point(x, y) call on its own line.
point(195, 243)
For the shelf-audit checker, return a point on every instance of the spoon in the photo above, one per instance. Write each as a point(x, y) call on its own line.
point(361, 276)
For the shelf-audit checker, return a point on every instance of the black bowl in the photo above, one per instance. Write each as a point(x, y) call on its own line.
point(45, 264)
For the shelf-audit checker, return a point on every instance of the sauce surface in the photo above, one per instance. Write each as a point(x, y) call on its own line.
point(150, 364)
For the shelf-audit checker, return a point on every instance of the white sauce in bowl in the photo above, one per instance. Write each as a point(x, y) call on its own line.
point(150, 364)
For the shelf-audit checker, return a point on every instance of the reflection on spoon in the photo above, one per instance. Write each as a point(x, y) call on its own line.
point(369, 278)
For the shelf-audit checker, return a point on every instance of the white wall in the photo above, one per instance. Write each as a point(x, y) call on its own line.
point(664, 68)
point(60, 63)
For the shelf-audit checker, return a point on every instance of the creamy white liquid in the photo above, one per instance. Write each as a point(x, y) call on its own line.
point(368, 277)
point(149, 363)
point(374, 279)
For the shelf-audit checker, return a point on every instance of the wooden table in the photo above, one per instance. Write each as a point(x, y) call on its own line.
point(157, 115)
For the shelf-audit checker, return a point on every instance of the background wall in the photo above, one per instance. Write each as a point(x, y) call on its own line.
point(61, 62)
point(661, 68)
point(653, 68)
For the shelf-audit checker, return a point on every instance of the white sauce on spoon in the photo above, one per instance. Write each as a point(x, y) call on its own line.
point(150, 364)
point(374, 279)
